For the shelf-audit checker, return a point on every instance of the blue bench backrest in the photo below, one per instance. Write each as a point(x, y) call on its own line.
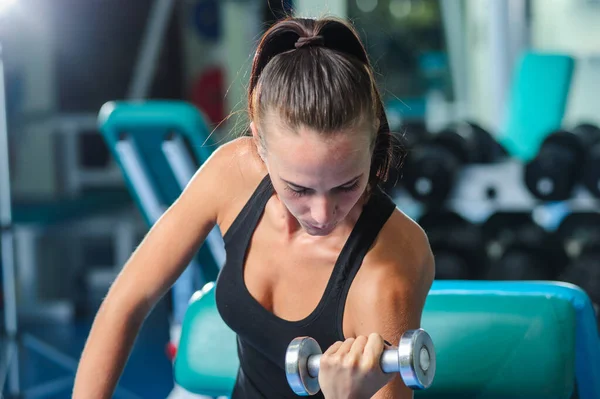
point(148, 141)
point(537, 102)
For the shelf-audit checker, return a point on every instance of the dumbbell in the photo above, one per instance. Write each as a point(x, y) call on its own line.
point(431, 168)
point(559, 164)
point(579, 233)
point(517, 248)
point(591, 168)
point(414, 359)
point(456, 244)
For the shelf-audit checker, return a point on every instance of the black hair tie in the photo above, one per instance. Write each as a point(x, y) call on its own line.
point(317, 40)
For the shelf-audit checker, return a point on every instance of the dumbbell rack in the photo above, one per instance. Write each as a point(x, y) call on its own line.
point(484, 189)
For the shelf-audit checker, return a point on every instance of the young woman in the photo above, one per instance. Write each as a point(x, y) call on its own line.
point(314, 246)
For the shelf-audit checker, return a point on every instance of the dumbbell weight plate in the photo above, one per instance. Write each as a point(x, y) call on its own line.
point(456, 243)
point(296, 366)
point(518, 248)
point(591, 172)
point(552, 175)
point(417, 360)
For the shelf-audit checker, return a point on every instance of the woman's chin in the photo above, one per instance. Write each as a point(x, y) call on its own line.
point(319, 231)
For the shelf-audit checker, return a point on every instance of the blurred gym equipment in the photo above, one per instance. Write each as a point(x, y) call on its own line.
point(456, 245)
point(579, 233)
point(432, 167)
point(148, 141)
point(591, 166)
point(536, 108)
point(560, 163)
point(17, 339)
point(10, 350)
point(519, 249)
point(159, 145)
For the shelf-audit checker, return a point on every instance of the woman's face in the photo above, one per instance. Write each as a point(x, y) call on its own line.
point(319, 178)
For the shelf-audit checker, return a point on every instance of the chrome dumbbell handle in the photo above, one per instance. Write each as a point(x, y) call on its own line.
point(389, 362)
point(313, 365)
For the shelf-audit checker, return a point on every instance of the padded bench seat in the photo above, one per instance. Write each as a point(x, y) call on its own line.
point(493, 340)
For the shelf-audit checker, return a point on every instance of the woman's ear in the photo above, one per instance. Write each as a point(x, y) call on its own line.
point(254, 131)
point(255, 137)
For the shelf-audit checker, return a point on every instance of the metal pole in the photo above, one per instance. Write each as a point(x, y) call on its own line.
point(518, 16)
point(454, 21)
point(152, 40)
point(8, 266)
point(499, 32)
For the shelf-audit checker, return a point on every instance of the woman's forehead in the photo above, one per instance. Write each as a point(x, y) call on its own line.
point(309, 146)
point(327, 164)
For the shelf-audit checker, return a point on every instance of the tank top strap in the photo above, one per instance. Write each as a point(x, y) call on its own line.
point(247, 219)
point(378, 210)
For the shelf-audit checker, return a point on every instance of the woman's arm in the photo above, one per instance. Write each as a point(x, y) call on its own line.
point(394, 296)
point(148, 274)
point(396, 308)
point(386, 299)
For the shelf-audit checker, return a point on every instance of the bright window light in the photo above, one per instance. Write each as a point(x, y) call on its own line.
point(5, 5)
point(367, 5)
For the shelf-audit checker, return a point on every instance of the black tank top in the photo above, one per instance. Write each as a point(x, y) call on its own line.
point(263, 337)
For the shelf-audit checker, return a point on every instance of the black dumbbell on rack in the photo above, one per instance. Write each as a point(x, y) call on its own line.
point(591, 166)
point(456, 245)
point(560, 163)
point(431, 168)
point(579, 233)
point(517, 248)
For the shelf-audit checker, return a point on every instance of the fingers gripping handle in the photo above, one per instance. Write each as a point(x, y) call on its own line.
point(388, 362)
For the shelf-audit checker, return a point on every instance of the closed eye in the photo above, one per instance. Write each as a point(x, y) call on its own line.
point(299, 191)
point(349, 188)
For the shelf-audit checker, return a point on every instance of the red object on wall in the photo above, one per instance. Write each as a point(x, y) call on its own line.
point(208, 93)
point(171, 351)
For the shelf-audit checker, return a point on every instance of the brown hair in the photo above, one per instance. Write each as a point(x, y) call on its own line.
point(316, 73)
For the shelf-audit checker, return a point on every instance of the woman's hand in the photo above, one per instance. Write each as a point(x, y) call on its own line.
point(351, 370)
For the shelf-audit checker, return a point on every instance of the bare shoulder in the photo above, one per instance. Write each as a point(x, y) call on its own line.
point(229, 177)
point(389, 291)
point(401, 254)
point(402, 246)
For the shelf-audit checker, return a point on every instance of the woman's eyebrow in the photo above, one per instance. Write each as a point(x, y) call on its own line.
point(302, 187)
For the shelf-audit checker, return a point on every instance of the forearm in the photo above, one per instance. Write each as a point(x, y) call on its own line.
point(106, 352)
